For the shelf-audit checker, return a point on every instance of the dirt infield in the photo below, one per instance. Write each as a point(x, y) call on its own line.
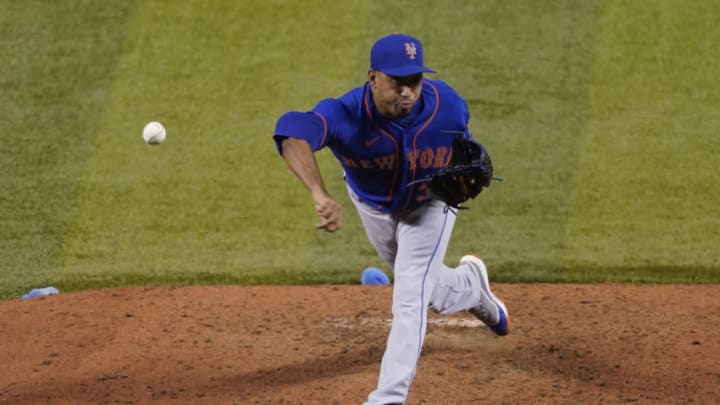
point(322, 345)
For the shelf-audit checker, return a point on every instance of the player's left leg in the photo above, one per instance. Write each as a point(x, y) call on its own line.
point(456, 290)
point(490, 309)
point(422, 239)
point(467, 288)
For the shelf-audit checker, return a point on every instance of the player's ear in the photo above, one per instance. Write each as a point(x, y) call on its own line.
point(372, 75)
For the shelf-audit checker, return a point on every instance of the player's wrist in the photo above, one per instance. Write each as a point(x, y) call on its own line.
point(319, 193)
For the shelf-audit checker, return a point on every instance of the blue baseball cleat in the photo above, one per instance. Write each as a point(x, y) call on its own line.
point(374, 276)
point(491, 310)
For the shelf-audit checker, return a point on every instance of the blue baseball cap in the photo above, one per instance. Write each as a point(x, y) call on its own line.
point(398, 55)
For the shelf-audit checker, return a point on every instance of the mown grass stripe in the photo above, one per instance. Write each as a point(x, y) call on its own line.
point(617, 99)
point(57, 62)
point(215, 197)
point(645, 190)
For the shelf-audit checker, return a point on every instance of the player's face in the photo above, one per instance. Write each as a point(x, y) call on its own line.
point(394, 96)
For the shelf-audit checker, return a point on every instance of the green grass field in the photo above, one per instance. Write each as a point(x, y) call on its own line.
point(601, 116)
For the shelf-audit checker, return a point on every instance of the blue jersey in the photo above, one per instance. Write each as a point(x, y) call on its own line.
point(382, 157)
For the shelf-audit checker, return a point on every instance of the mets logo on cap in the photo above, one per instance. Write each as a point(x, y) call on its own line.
point(410, 49)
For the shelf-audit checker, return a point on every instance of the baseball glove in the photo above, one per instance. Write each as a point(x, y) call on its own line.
point(469, 171)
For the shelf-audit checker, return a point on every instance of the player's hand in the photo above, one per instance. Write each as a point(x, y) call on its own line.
point(329, 212)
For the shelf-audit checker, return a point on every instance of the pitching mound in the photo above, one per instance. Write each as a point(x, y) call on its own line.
point(322, 345)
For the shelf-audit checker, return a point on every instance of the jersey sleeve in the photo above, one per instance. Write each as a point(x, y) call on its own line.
point(466, 118)
point(457, 104)
point(318, 127)
point(464, 112)
point(308, 126)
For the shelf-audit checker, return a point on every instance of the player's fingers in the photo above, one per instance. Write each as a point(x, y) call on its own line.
point(329, 209)
point(323, 212)
point(327, 225)
point(336, 216)
point(329, 213)
point(326, 207)
point(332, 221)
point(321, 209)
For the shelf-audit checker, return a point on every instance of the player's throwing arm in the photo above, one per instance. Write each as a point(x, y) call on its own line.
point(301, 161)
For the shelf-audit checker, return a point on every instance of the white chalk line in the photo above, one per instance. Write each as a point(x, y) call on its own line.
point(437, 322)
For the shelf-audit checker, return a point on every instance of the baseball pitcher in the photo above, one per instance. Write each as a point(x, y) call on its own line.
point(409, 162)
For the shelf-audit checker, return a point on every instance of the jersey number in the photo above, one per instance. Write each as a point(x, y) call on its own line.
point(423, 193)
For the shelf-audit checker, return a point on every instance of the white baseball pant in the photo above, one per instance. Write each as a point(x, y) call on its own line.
point(414, 243)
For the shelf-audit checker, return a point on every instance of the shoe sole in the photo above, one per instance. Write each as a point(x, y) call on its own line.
point(503, 326)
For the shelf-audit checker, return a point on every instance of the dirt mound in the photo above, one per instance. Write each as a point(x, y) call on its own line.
point(323, 344)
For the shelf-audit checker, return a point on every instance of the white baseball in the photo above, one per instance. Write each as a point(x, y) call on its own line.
point(154, 133)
